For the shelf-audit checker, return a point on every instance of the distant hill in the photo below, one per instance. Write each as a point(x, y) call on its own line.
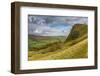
point(77, 31)
point(45, 37)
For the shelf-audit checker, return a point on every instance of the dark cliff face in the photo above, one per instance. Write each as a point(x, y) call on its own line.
point(77, 31)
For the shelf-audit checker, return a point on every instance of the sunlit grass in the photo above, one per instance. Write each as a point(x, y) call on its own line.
point(78, 50)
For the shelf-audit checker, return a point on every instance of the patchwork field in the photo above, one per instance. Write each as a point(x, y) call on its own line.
point(53, 48)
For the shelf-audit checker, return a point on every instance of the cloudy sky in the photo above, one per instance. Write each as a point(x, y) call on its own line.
point(53, 25)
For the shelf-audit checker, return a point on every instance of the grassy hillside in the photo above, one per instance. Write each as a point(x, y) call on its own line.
point(77, 31)
point(75, 46)
point(78, 50)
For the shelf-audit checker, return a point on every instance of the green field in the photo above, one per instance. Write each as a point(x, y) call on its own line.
point(52, 48)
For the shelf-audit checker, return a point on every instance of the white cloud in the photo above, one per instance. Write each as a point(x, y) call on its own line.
point(47, 31)
point(48, 25)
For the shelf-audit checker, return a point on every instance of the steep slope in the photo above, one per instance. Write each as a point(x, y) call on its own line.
point(78, 30)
